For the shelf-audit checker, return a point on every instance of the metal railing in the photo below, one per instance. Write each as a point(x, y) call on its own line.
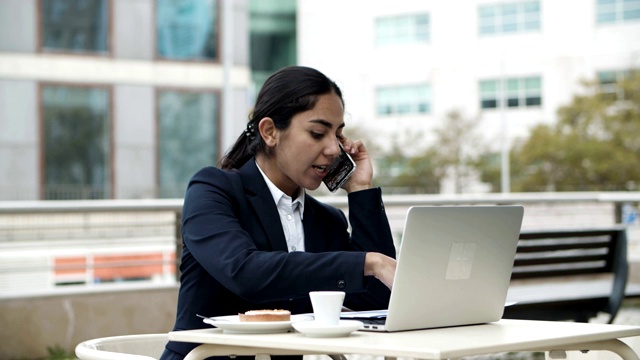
point(48, 247)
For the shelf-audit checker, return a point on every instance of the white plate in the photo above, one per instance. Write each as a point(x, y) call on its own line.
point(313, 329)
point(232, 324)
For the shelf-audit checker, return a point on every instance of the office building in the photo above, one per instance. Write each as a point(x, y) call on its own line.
point(103, 99)
point(507, 64)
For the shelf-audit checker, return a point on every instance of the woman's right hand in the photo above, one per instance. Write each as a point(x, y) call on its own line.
point(362, 177)
point(381, 267)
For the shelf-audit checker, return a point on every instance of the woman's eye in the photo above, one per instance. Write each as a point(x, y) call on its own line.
point(317, 135)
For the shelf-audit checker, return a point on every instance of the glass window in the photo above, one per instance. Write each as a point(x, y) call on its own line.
point(412, 99)
point(531, 16)
point(489, 94)
point(609, 81)
point(422, 28)
point(532, 91)
point(80, 26)
point(487, 19)
point(616, 11)
point(607, 77)
point(513, 96)
point(631, 10)
point(519, 92)
point(77, 142)
point(188, 138)
point(187, 29)
point(402, 29)
point(509, 18)
point(272, 26)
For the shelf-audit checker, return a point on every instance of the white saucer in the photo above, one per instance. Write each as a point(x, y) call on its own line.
point(313, 329)
point(232, 324)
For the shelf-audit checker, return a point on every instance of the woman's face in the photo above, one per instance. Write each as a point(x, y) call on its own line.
point(306, 148)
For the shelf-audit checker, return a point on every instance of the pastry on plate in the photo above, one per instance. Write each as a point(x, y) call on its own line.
point(265, 315)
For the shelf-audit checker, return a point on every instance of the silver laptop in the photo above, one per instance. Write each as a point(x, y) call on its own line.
point(454, 267)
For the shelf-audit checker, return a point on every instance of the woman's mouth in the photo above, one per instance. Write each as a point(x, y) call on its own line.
point(320, 169)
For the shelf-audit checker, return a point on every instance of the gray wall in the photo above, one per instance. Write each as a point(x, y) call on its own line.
point(19, 174)
point(28, 326)
point(134, 141)
point(19, 169)
point(133, 17)
point(240, 32)
point(18, 25)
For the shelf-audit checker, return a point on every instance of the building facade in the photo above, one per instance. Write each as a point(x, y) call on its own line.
point(508, 64)
point(126, 98)
point(104, 99)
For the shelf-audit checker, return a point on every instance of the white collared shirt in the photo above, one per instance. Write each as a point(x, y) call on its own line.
point(291, 213)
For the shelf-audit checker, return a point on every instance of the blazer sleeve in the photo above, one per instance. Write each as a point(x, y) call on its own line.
point(370, 232)
point(369, 223)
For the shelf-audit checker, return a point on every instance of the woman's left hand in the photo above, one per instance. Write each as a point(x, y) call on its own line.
point(363, 175)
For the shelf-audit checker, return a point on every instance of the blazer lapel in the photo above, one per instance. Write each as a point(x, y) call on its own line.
point(313, 234)
point(259, 196)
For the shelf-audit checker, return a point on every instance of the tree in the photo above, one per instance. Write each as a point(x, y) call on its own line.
point(400, 172)
point(420, 173)
point(594, 146)
point(454, 154)
point(458, 148)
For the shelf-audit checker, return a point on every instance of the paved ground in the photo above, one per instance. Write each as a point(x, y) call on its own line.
point(630, 313)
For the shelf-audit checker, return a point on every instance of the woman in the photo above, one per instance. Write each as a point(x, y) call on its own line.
point(253, 239)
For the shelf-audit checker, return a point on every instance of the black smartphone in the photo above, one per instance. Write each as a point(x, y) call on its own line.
point(339, 171)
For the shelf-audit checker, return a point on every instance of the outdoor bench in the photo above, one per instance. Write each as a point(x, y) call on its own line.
point(569, 275)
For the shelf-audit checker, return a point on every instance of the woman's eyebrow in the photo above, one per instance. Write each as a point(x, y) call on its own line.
point(325, 123)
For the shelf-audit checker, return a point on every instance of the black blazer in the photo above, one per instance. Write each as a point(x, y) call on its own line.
point(235, 255)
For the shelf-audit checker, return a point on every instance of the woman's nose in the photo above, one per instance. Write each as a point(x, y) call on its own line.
point(333, 148)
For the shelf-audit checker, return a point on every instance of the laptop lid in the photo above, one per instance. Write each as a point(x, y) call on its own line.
point(454, 266)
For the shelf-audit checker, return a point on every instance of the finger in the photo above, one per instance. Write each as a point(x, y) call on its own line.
point(357, 146)
point(347, 143)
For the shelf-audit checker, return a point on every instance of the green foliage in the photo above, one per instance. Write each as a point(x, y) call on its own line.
point(58, 353)
point(594, 146)
point(488, 166)
point(454, 153)
point(415, 174)
point(458, 148)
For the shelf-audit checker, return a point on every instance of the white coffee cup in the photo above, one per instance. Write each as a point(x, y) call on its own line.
point(327, 306)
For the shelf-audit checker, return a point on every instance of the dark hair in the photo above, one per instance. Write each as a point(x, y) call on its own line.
point(288, 91)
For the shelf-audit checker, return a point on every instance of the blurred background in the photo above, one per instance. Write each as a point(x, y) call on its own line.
point(107, 108)
point(126, 99)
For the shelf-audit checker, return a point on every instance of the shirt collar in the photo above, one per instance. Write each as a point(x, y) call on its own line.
point(278, 194)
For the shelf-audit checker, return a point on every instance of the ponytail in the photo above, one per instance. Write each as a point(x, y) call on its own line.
point(243, 149)
point(289, 91)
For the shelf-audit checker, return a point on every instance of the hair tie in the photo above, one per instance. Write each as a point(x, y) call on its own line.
point(250, 132)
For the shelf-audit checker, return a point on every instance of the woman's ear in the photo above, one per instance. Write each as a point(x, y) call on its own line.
point(268, 131)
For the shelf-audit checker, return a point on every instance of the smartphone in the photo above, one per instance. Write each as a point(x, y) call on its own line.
point(339, 171)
